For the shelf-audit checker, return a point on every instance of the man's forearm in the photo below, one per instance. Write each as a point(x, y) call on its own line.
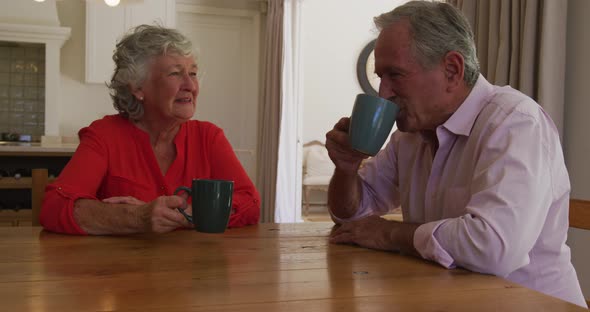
point(402, 237)
point(99, 218)
point(344, 194)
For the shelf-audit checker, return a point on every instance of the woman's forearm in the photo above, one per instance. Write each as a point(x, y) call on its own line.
point(98, 218)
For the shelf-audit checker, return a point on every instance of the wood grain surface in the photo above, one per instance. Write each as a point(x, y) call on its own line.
point(268, 267)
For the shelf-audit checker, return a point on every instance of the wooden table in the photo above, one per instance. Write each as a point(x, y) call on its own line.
point(270, 267)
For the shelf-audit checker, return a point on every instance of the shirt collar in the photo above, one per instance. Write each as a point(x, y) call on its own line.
point(462, 120)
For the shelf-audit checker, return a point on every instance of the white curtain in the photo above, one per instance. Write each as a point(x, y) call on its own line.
point(288, 188)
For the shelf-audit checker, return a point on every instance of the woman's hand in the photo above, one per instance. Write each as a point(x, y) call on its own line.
point(161, 216)
point(338, 145)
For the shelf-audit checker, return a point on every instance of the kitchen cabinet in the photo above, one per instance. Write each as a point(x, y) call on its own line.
point(105, 25)
point(17, 193)
point(9, 216)
point(36, 184)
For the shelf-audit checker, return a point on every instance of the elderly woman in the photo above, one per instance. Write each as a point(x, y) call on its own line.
point(123, 174)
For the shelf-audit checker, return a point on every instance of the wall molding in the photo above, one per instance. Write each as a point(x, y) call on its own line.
point(53, 37)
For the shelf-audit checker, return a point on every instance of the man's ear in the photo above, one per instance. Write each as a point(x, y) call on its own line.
point(454, 68)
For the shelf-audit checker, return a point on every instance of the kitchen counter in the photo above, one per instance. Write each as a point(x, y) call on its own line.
point(36, 149)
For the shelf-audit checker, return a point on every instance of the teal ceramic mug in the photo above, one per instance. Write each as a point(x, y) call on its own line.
point(371, 122)
point(211, 204)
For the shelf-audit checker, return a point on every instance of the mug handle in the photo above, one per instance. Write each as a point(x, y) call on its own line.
point(186, 189)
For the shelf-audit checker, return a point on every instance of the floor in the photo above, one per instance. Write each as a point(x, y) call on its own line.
point(320, 214)
point(317, 214)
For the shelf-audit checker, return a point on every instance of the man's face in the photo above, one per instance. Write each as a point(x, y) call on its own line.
point(420, 93)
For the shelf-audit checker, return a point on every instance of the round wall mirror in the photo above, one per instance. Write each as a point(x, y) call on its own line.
point(365, 70)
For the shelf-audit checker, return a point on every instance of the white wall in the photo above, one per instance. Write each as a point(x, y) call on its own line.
point(576, 143)
point(332, 43)
point(28, 12)
point(335, 32)
point(81, 103)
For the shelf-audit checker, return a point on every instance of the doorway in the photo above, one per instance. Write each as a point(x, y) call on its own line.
point(227, 45)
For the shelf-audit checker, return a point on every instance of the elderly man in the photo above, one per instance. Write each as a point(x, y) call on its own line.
point(477, 169)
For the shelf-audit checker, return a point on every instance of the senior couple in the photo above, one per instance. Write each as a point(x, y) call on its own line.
point(477, 169)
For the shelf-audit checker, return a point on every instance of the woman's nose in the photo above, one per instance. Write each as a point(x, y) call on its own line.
point(189, 82)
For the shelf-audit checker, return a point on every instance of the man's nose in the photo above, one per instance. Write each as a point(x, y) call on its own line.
point(386, 89)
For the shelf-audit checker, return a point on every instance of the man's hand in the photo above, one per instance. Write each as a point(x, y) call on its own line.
point(377, 233)
point(338, 145)
point(372, 232)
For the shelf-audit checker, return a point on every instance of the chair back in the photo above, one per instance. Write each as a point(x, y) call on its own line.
point(580, 217)
point(579, 214)
point(39, 181)
point(318, 168)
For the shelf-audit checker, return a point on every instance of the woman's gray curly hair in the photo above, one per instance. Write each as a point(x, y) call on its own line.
point(132, 56)
point(436, 28)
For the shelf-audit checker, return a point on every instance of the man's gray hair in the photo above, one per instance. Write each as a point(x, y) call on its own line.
point(437, 28)
point(132, 57)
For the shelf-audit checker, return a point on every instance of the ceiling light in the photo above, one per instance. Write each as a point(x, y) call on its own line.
point(39, 0)
point(112, 2)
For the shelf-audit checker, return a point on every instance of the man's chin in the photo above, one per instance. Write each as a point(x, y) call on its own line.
point(402, 126)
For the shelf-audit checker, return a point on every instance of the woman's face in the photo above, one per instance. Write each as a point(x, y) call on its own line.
point(170, 90)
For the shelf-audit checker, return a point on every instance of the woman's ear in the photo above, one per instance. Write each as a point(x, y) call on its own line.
point(454, 68)
point(137, 92)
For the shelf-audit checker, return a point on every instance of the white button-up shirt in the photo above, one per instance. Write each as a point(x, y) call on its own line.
point(494, 197)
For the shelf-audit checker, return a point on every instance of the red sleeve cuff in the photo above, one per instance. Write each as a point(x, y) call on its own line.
point(247, 213)
point(57, 211)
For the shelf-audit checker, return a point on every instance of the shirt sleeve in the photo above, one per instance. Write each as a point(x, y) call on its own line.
point(510, 196)
point(380, 183)
point(225, 165)
point(80, 178)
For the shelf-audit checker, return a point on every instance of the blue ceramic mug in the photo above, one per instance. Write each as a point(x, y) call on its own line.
point(371, 122)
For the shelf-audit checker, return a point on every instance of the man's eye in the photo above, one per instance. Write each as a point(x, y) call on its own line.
point(174, 74)
point(193, 74)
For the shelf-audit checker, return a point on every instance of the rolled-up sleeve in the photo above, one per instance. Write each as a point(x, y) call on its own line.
point(428, 246)
point(511, 193)
point(80, 178)
point(225, 165)
point(380, 184)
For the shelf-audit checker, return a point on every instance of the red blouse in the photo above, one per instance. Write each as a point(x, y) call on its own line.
point(115, 158)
